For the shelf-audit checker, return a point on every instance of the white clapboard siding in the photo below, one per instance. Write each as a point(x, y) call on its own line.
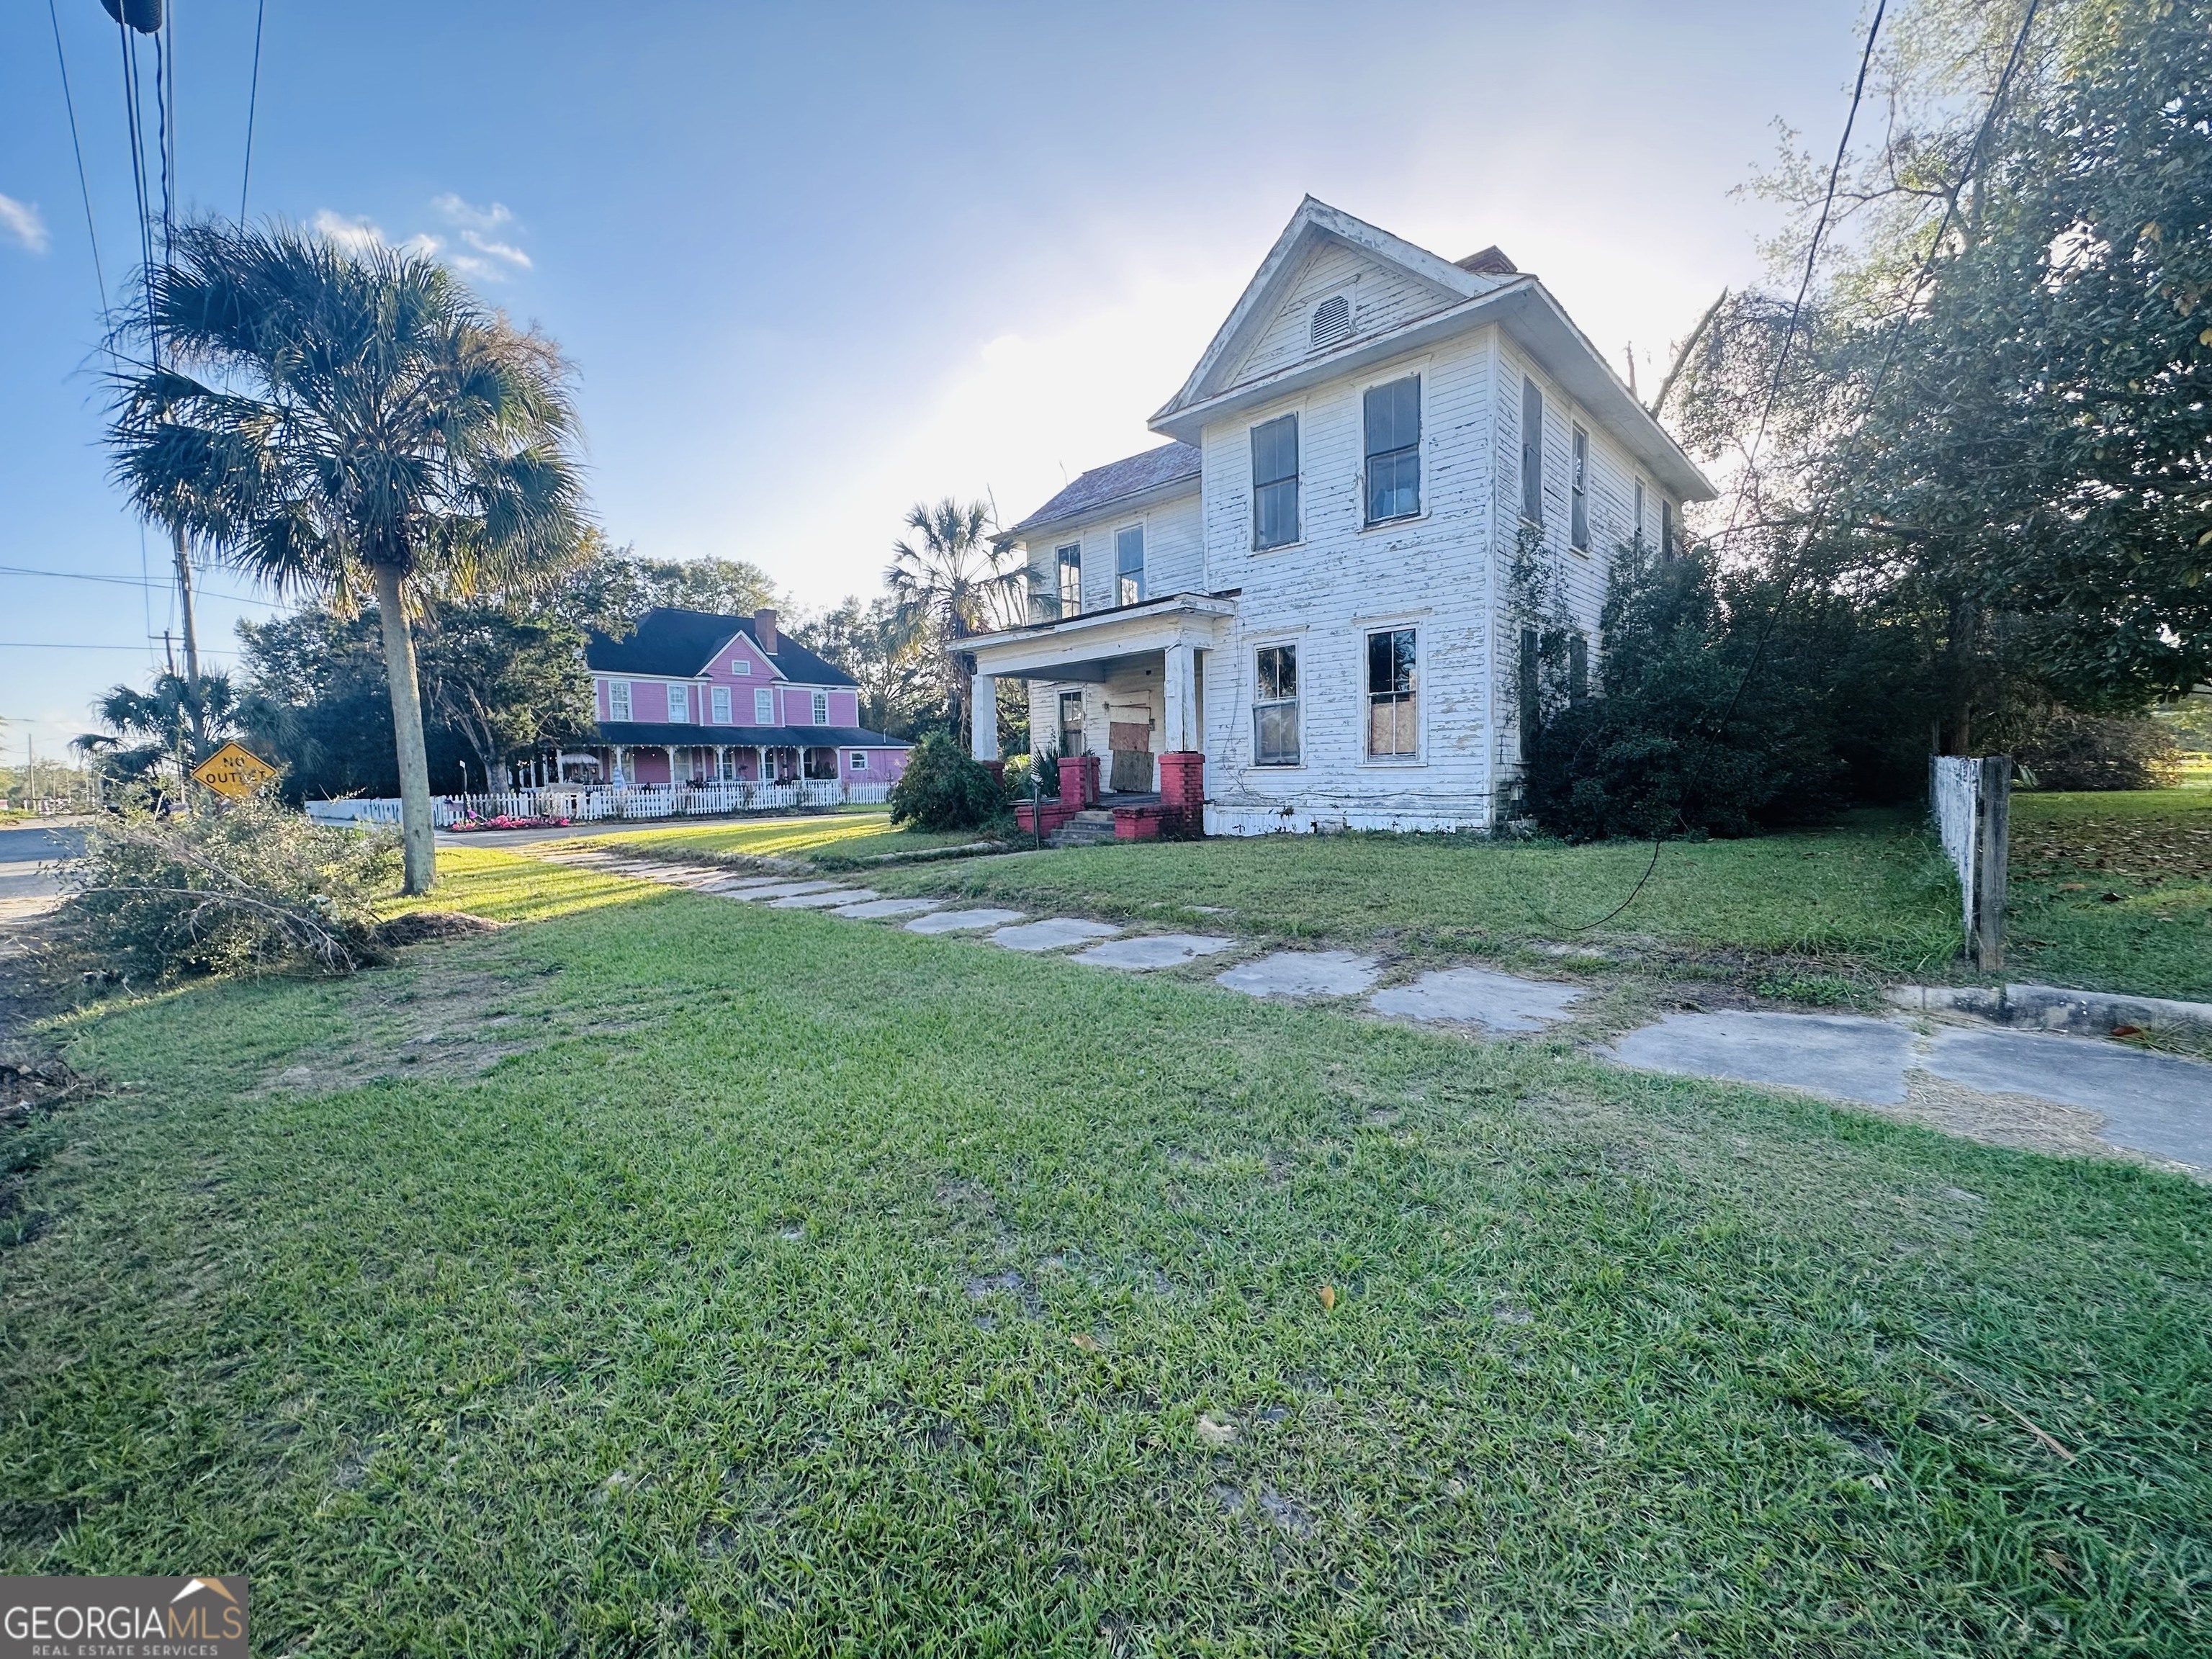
point(1381, 298)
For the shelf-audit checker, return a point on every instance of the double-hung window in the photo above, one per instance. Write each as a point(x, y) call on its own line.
point(1069, 560)
point(722, 700)
point(1666, 529)
point(1636, 524)
point(1275, 482)
point(679, 704)
point(1275, 707)
point(1129, 565)
point(617, 700)
point(1532, 451)
point(1393, 422)
point(1578, 494)
point(822, 708)
point(763, 707)
point(1393, 707)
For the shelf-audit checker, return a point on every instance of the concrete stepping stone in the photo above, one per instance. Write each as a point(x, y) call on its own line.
point(1153, 950)
point(1480, 996)
point(1052, 934)
point(824, 901)
point(882, 909)
point(2158, 1104)
point(955, 921)
point(1843, 1056)
point(1302, 974)
point(778, 890)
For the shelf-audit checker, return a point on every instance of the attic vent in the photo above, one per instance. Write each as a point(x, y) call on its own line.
point(1332, 321)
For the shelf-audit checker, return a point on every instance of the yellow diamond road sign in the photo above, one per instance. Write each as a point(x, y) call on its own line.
point(235, 772)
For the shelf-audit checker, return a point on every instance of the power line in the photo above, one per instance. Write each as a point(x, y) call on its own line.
point(133, 581)
point(63, 644)
point(1812, 257)
point(253, 102)
point(84, 187)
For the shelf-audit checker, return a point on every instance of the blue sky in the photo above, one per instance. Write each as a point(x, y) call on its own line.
point(816, 263)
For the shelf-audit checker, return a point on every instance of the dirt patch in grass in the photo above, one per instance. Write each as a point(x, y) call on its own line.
point(420, 927)
point(2018, 1120)
point(436, 1020)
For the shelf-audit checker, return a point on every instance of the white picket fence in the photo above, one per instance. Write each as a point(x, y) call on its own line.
point(594, 805)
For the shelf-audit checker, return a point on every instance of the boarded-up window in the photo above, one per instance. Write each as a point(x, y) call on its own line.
point(1532, 451)
point(1275, 482)
point(1393, 423)
point(1275, 708)
point(1578, 494)
point(1393, 709)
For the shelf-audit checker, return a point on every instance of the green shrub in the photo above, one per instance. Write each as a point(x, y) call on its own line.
point(231, 887)
point(1042, 771)
point(2093, 751)
point(944, 787)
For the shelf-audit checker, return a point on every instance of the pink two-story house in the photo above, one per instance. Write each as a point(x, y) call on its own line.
point(692, 697)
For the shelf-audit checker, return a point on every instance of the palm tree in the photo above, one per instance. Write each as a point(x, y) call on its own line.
point(955, 584)
point(181, 720)
point(350, 421)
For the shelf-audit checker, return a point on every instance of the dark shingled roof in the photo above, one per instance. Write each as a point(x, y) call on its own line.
point(654, 733)
point(679, 643)
point(1102, 485)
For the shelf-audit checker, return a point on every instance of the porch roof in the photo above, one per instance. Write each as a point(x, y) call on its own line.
point(1058, 649)
point(656, 734)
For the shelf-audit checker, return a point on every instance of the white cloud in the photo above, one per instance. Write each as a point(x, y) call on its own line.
point(359, 232)
point(492, 260)
point(20, 220)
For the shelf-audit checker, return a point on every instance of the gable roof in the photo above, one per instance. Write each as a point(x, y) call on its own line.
point(1102, 486)
point(1476, 292)
point(679, 644)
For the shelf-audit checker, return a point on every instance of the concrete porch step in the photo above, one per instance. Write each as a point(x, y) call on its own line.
point(1087, 828)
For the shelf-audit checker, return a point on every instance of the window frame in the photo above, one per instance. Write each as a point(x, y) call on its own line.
point(1417, 754)
point(742, 664)
point(1668, 531)
point(1532, 452)
point(1578, 531)
point(857, 761)
point(1070, 603)
point(1295, 703)
point(620, 702)
point(1418, 449)
point(1082, 722)
point(1636, 530)
point(821, 709)
point(763, 705)
point(1295, 478)
point(718, 701)
point(1121, 576)
point(679, 704)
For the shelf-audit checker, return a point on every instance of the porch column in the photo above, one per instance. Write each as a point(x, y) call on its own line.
point(621, 777)
point(673, 780)
point(1180, 683)
point(721, 751)
point(983, 717)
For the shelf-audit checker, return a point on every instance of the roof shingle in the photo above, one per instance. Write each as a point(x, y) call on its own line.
point(679, 643)
point(1102, 485)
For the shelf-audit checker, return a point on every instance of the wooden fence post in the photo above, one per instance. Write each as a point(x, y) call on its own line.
point(1993, 832)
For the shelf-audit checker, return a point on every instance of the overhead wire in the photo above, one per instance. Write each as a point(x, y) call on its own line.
point(253, 103)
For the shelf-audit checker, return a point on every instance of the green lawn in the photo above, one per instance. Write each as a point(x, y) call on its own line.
point(1869, 899)
point(842, 840)
point(663, 1274)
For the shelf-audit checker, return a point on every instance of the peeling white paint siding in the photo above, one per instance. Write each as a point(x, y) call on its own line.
point(1344, 578)
point(1381, 299)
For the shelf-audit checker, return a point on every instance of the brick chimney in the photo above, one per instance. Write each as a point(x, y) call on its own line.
point(764, 629)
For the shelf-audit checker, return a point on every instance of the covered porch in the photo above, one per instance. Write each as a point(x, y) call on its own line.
point(1122, 690)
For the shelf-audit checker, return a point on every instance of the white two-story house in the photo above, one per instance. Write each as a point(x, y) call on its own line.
point(1308, 584)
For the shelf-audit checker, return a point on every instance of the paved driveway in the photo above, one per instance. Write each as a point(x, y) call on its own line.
point(25, 889)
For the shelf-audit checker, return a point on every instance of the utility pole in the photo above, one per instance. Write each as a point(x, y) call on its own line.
point(195, 708)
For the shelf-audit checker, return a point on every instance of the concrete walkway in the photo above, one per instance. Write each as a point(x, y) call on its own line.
point(2127, 1098)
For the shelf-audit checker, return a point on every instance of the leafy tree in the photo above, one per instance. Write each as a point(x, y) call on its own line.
point(731, 587)
point(901, 688)
point(956, 581)
point(505, 683)
point(349, 421)
point(167, 724)
point(1999, 437)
